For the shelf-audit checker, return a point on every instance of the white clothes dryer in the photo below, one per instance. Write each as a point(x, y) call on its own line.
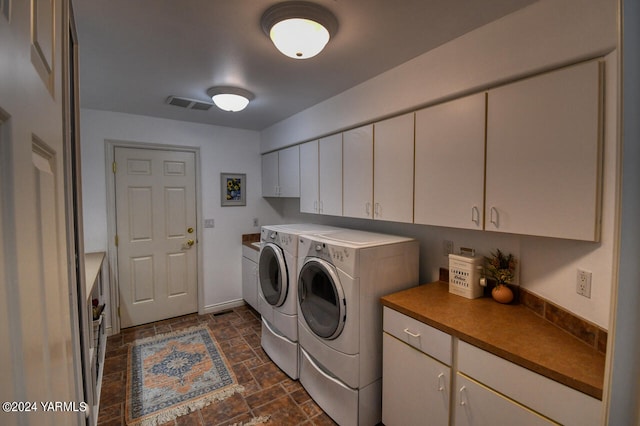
point(277, 291)
point(341, 277)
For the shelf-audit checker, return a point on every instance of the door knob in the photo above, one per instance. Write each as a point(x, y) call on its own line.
point(190, 243)
point(190, 230)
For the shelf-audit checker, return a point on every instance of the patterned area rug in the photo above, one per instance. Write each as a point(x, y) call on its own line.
point(170, 375)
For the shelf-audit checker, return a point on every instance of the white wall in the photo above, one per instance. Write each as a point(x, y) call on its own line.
point(221, 150)
point(544, 35)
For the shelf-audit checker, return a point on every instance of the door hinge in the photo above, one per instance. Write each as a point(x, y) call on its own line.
point(116, 240)
point(114, 166)
point(118, 311)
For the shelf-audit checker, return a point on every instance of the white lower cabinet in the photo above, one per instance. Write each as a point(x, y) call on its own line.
point(415, 387)
point(547, 397)
point(250, 276)
point(478, 405)
point(416, 372)
point(425, 371)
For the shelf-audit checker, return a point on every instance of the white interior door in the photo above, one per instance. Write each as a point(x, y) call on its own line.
point(39, 358)
point(156, 234)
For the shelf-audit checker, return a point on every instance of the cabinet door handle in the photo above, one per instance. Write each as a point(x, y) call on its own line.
point(475, 215)
point(406, 330)
point(321, 206)
point(495, 220)
point(441, 382)
point(463, 396)
point(368, 208)
point(376, 210)
point(315, 206)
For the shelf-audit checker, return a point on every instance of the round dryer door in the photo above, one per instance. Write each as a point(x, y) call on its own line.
point(321, 298)
point(274, 279)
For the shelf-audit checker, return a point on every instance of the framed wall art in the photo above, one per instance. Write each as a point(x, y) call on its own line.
point(233, 189)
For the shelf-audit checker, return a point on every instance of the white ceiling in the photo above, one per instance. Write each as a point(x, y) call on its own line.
point(136, 53)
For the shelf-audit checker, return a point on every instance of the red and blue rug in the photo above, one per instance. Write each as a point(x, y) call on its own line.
point(170, 375)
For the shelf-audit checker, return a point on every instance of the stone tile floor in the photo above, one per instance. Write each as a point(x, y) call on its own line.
point(268, 391)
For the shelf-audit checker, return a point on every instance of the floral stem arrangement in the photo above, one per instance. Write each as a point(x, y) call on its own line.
point(501, 268)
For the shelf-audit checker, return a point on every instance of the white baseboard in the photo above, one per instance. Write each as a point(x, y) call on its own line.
point(212, 309)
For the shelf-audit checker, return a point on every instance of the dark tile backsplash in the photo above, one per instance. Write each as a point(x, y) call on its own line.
point(584, 330)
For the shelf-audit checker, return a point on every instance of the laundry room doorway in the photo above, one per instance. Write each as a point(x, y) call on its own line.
point(156, 238)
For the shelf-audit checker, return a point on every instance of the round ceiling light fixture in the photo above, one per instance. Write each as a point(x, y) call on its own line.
point(299, 29)
point(229, 98)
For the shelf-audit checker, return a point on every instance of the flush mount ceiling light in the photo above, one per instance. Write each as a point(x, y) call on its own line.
point(299, 29)
point(230, 98)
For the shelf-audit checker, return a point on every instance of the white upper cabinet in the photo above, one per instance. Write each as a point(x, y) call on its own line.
point(289, 172)
point(330, 166)
point(321, 176)
point(544, 138)
point(358, 172)
point(309, 177)
point(449, 176)
point(281, 173)
point(393, 169)
point(270, 183)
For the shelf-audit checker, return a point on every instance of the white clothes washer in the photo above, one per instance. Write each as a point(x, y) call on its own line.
point(277, 291)
point(341, 278)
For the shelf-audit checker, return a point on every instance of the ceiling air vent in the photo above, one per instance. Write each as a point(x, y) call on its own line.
point(189, 103)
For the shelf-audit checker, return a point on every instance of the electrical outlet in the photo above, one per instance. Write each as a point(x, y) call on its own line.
point(583, 283)
point(447, 247)
point(209, 223)
point(255, 221)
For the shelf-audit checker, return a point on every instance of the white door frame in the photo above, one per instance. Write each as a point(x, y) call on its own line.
point(112, 252)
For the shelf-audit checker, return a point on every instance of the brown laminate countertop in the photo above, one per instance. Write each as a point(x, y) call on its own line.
point(249, 239)
point(512, 332)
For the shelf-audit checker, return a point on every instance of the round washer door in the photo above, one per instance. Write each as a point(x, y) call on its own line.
point(274, 279)
point(321, 298)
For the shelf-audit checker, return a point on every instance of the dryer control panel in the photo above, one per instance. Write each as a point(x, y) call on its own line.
point(343, 258)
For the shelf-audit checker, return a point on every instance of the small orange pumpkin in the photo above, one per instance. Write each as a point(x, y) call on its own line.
point(502, 293)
